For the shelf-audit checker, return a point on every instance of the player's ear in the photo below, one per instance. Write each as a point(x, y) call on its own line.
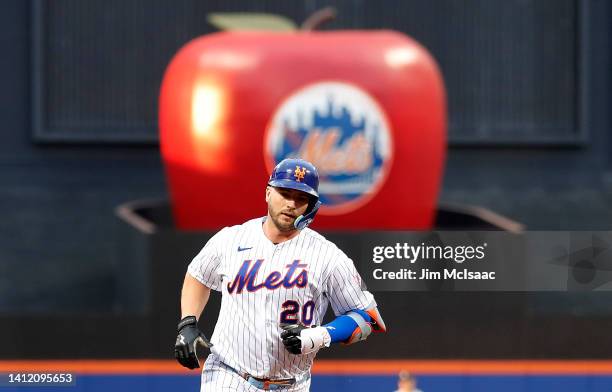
point(268, 194)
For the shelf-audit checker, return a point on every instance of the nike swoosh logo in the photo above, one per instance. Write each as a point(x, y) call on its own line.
point(241, 249)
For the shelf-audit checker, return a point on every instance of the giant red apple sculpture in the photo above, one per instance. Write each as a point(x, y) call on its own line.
point(366, 107)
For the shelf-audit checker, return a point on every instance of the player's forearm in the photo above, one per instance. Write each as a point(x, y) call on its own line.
point(194, 297)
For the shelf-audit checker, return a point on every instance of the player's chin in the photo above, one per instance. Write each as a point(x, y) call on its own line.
point(286, 222)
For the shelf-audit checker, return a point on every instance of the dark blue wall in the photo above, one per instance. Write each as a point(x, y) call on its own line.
point(56, 201)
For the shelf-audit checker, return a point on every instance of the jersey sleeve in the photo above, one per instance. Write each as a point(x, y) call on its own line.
point(345, 288)
point(206, 266)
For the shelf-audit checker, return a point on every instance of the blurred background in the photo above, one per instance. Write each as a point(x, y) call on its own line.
point(529, 137)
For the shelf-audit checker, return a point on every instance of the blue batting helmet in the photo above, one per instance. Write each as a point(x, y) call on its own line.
point(300, 175)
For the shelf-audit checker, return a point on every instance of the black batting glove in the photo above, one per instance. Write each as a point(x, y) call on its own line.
point(291, 337)
point(189, 337)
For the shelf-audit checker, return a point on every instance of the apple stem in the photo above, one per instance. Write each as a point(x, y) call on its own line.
point(318, 18)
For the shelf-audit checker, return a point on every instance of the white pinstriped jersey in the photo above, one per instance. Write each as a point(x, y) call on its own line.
point(263, 284)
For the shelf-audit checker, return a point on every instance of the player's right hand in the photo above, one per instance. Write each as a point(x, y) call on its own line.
point(189, 336)
point(300, 340)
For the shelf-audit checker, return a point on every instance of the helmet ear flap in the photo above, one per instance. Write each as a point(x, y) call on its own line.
point(302, 221)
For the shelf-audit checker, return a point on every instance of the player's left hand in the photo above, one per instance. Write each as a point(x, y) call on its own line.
point(299, 339)
point(189, 337)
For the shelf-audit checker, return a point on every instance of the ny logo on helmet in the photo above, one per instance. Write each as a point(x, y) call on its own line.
point(299, 174)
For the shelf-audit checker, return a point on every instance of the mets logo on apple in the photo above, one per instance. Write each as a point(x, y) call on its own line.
point(343, 131)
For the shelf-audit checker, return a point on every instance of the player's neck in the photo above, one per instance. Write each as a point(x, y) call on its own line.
point(274, 234)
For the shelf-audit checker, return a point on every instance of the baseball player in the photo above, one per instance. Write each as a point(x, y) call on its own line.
point(277, 278)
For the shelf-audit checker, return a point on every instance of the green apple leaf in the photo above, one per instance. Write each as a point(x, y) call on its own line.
point(251, 21)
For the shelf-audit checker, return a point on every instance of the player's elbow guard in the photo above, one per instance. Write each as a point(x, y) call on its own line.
point(356, 325)
point(368, 321)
